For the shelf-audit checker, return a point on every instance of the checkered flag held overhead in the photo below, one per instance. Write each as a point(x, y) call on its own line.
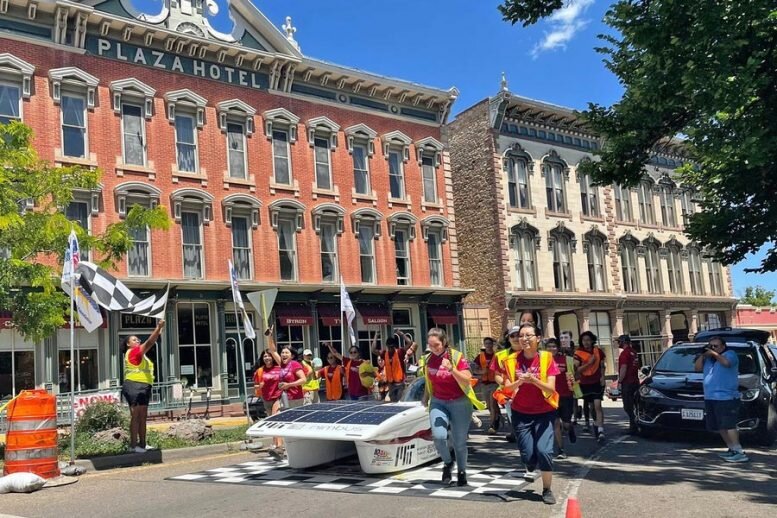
point(113, 295)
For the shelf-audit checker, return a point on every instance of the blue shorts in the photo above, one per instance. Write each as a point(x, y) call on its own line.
point(721, 415)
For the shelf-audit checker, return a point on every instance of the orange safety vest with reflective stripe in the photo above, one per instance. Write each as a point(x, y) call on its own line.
point(395, 371)
point(257, 380)
point(334, 387)
point(488, 375)
point(510, 361)
point(584, 356)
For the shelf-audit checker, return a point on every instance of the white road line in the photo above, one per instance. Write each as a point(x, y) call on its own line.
point(574, 484)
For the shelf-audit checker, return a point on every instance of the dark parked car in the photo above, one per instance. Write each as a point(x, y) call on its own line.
point(734, 334)
point(671, 397)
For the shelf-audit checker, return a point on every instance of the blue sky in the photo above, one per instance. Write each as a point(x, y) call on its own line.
point(462, 43)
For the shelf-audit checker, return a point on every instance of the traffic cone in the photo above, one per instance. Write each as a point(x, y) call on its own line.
point(573, 508)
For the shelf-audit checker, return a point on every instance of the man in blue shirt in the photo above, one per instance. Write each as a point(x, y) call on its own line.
point(720, 366)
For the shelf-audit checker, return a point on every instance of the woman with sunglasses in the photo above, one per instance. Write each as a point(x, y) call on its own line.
point(451, 398)
point(333, 377)
point(356, 372)
point(266, 380)
point(530, 375)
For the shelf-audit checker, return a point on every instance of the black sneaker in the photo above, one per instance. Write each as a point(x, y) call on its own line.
point(548, 497)
point(446, 474)
point(561, 454)
point(572, 434)
point(461, 478)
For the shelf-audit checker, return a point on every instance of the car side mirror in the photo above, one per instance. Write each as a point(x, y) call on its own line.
point(645, 370)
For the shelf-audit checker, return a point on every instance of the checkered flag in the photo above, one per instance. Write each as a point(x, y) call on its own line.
point(113, 295)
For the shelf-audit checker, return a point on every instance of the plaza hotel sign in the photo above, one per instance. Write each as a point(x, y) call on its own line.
point(158, 59)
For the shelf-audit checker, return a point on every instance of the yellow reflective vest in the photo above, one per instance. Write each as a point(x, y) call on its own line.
point(143, 373)
point(467, 389)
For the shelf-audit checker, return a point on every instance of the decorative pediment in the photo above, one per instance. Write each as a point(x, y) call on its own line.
point(516, 152)
point(399, 140)
point(289, 207)
point(73, 77)
point(402, 220)
point(185, 99)
point(133, 88)
point(235, 203)
point(328, 211)
point(280, 118)
point(366, 216)
point(237, 109)
point(561, 230)
point(195, 198)
point(594, 234)
point(16, 66)
point(361, 133)
point(435, 223)
point(524, 227)
point(552, 158)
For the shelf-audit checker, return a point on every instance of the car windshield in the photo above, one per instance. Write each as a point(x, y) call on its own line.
point(681, 359)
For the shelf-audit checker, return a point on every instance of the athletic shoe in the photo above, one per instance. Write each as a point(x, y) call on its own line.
point(548, 497)
point(446, 474)
point(561, 454)
point(572, 434)
point(738, 456)
point(728, 453)
point(601, 438)
point(276, 453)
point(531, 475)
point(151, 448)
point(138, 449)
point(492, 431)
point(461, 478)
point(477, 421)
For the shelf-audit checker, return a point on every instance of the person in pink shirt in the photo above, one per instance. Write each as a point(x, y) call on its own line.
point(266, 379)
point(450, 398)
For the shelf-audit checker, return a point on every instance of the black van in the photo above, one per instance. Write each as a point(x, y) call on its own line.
point(671, 397)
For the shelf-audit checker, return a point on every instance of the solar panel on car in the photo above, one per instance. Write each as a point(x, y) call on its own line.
point(323, 417)
point(372, 418)
point(287, 416)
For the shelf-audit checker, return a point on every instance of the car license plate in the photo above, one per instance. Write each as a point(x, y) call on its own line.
point(692, 414)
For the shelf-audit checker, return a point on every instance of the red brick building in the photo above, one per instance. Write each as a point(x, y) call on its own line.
point(298, 170)
point(753, 317)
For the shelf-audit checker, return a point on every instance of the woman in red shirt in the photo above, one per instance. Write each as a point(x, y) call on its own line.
point(291, 377)
point(531, 376)
point(266, 379)
point(353, 373)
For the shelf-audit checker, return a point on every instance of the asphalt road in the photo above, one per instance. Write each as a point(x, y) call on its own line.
point(676, 476)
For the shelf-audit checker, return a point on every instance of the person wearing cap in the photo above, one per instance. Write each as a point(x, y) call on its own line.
point(628, 378)
point(311, 386)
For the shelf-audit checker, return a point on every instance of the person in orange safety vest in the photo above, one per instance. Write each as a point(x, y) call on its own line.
point(395, 356)
point(486, 384)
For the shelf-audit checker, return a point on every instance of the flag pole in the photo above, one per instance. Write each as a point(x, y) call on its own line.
point(72, 366)
point(242, 370)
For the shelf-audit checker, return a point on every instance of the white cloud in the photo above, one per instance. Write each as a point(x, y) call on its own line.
point(564, 24)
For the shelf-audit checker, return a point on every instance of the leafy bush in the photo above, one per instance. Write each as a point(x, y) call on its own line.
point(101, 416)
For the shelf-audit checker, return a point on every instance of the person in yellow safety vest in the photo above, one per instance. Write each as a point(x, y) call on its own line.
point(481, 367)
point(136, 389)
point(395, 357)
point(450, 399)
point(311, 386)
point(530, 375)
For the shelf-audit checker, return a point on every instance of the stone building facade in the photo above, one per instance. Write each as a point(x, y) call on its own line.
point(535, 235)
point(299, 171)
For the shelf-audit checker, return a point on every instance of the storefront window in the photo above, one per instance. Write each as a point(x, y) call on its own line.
point(599, 324)
point(194, 347)
point(17, 372)
point(645, 330)
point(86, 372)
point(142, 327)
point(293, 336)
point(333, 334)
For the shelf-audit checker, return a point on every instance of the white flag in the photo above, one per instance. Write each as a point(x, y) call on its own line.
point(346, 306)
point(88, 311)
point(248, 327)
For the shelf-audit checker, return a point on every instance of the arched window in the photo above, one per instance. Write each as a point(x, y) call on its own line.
point(366, 227)
point(192, 208)
point(524, 241)
point(694, 271)
point(589, 195)
point(517, 166)
point(666, 188)
point(653, 266)
point(286, 217)
point(127, 195)
point(402, 231)
point(595, 246)
point(241, 214)
point(674, 267)
point(328, 224)
point(628, 251)
point(647, 215)
point(15, 85)
point(435, 232)
point(715, 272)
point(623, 210)
point(562, 243)
point(556, 173)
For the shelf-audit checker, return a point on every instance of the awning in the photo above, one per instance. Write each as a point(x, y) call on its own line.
point(374, 314)
point(442, 315)
point(294, 315)
point(329, 314)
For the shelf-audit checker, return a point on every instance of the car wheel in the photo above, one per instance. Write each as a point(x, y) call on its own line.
point(645, 432)
point(767, 432)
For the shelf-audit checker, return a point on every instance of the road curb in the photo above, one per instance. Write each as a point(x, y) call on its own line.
point(162, 456)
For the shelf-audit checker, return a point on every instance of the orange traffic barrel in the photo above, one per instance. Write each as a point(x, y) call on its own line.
point(31, 438)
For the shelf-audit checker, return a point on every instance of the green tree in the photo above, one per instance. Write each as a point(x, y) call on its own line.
point(32, 240)
point(704, 72)
point(758, 296)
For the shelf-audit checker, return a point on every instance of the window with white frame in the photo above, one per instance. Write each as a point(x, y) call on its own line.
point(555, 171)
point(194, 344)
point(396, 174)
point(595, 255)
point(139, 254)
point(687, 204)
point(675, 270)
point(186, 143)
point(80, 210)
point(518, 191)
point(134, 100)
point(287, 247)
point(653, 268)
point(561, 245)
point(281, 157)
point(321, 152)
point(694, 271)
point(329, 263)
point(645, 199)
point(623, 210)
point(524, 241)
point(666, 199)
point(629, 269)
point(434, 249)
point(15, 85)
point(191, 231)
point(328, 224)
point(74, 135)
point(361, 172)
point(402, 256)
point(236, 120)
point(429, 173)
point(241, 246)
point(715, 272)
point(589, 195)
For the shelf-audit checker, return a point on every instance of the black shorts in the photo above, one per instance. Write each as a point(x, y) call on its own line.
point(592, 392)
point(566, 406)
point(721, 415)
point(136, 393)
